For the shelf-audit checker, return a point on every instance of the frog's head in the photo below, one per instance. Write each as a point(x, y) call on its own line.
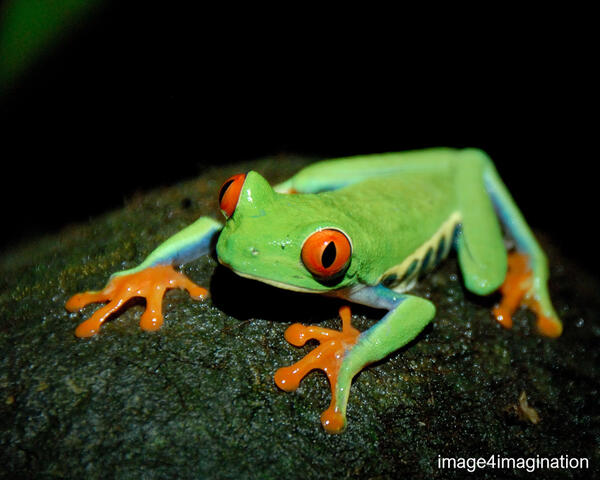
point(290, 241)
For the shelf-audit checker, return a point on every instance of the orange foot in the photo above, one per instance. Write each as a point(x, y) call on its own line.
point(328, 357)
point(150, 283)
point(517, 290)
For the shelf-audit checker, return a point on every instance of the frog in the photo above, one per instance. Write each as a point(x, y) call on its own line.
point(363, 229)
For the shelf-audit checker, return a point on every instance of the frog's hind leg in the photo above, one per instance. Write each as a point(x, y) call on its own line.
point(480, 246)
point(333, 174)
point(481, 251)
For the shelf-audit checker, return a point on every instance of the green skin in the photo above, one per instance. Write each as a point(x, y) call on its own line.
point(388, 206)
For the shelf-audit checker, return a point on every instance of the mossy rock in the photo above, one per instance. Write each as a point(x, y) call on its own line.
point(196, 399)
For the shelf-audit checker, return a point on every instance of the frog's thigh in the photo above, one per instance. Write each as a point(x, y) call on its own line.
point(332, 174)
point(481, 252)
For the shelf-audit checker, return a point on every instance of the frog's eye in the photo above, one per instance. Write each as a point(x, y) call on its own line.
point(230, 194)
point(327, 253)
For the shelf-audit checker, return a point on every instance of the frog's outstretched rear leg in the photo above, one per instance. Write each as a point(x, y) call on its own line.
point(482, 255)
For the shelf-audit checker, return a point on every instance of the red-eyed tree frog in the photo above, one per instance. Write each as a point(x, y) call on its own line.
point(363, 229)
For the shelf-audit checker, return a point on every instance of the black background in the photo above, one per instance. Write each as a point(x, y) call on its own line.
point(140, 97)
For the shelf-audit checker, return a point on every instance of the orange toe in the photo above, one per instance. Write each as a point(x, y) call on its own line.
point(328, 356)
point(150, 283)
point(516, 292)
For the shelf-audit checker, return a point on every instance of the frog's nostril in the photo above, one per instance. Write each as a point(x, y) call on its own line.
point(254, 251)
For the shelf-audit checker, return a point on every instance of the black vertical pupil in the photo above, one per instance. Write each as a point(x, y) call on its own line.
point(329, 255)
point(224, 189)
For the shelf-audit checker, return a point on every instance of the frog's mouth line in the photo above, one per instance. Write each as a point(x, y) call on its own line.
point(274, 283)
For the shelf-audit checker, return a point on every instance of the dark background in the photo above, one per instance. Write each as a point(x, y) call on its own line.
point(133, 99)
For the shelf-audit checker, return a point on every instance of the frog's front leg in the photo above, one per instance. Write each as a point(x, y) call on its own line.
point(342, 355)
point(150, 279)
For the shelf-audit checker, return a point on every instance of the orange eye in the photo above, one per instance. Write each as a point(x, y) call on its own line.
point(230, 194)
point(326, 253)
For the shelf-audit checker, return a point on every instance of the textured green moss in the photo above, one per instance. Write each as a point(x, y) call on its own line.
point(197, 399)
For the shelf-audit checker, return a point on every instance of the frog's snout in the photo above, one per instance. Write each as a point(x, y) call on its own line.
point(231, 254)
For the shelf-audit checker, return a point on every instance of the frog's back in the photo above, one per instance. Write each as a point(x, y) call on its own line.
point(401, 224)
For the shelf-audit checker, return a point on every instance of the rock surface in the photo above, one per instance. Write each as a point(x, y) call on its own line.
point(196, 399)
